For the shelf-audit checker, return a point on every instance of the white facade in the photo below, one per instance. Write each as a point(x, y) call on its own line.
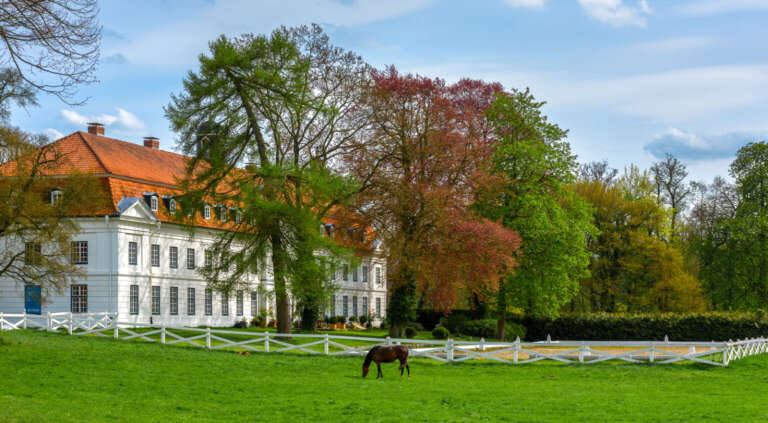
point(114, 282)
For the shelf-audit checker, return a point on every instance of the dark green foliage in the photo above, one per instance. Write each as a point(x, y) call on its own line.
point(485, 328)
point(410, 332)
point(241, 324)
point(514, 331)
point(258, 321)
point(363, 319)
point(440, 333)
point(352, 319)
point(647, 327)
point(402, 306)
point(454, 322)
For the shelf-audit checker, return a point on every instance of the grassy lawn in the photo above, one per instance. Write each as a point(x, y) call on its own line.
point(58, 378)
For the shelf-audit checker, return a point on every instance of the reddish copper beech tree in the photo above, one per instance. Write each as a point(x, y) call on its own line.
point(421, 161)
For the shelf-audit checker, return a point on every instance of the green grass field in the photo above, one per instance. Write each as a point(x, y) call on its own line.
point(46, 377)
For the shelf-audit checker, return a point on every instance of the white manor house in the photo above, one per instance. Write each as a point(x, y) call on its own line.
point(141, 265)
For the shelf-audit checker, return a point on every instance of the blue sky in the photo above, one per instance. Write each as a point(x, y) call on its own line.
point(630, 79)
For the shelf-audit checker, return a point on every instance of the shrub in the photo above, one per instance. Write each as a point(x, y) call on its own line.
point(513, 330)
point(440, 333)
point(257, 321)
point(363, 319)
point(410, 332)
point(241, 324)
point(453, 322)
point(416, 325)
point(646, 327)
point(484, 328)
point(352, 319)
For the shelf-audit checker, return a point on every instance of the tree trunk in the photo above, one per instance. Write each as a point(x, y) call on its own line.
point(501, 311)
point(283, 312)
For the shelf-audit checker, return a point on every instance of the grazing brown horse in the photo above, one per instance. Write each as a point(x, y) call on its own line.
point(381, 354)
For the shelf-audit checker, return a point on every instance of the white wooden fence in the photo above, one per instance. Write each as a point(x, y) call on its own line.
point(584, 352)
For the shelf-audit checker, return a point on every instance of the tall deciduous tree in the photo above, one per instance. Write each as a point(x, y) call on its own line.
point(280, 110)
point(534, 163)
point(669, 176)
point(35, 230)
point(420, 163)
point(53, 45)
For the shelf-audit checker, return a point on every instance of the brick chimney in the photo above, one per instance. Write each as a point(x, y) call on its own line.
point(95, 128)
point(152, 143)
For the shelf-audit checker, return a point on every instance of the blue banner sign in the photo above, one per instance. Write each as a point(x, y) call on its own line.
point(32, 299)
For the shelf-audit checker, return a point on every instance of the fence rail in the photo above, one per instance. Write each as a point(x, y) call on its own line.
point(583, 352)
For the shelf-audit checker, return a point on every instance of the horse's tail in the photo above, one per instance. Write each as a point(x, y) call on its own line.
point(369, 356)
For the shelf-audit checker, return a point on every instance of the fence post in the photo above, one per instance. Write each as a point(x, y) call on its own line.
point(517, 350)
point(25, 319)
point(389, 340)
point(208, 338)
point(482, 344)
point(325, 345)
point(581, 353)
point(266, 341)
point(70, 323)
point(162, 334)
point(1, 321)
point(652, 354)
point(114, 326)
point(725, 353)
point(449, 350)
point(48, 322)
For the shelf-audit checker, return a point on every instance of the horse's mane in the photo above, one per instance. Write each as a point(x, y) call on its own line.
point(369, 356)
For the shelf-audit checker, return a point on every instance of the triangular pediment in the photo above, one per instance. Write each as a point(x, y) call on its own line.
point(135, 208)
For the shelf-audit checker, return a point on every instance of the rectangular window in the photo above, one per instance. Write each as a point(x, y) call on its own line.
point(32, 253)
point(174, 257)
point(254, 303)
point(365, 306)
point(156, 300)
point(333, 305)
point(354, 274)
point(208, 259)
point(79, 252)
point(133, 253)
point(379, 280)
point(345, 305)
point(155, 255)
point(345, 276)
point(134, 299)
point(239, 309)
point(79, 296)
point(190, 258)
point(354, 305)
point(378, 307)
point(190, 301)
point(365, 274)
point(174, 301)
point(225, 304)
point(208, 302)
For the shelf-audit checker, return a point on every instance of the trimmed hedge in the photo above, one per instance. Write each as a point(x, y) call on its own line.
point(647, 327)
point(440, 333)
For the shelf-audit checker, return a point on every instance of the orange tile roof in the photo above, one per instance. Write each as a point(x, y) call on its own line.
point(126, 169)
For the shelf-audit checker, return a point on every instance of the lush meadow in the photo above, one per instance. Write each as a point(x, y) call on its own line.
point(57, 378)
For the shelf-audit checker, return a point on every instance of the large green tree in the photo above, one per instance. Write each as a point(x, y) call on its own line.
point(532, 158)
point(277, 112)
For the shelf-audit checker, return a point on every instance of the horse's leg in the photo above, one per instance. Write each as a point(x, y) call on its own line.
point(402, 369)
point(380, 374)
point(408, 368)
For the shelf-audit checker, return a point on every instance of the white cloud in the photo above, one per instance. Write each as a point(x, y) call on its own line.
point(673, 97)
point(177, 43)
point(615, 13)
point(674, 45)
point(533, 4)
point(125, 121)
point(713, 7)
point(690, 146)
point(53, 134)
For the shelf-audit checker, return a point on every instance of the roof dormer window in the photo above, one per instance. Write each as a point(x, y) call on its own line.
point(238, 216)
point(172, 206)
point(153, 203)
point(206, 212)
point(56, 196)
point(222, 214)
